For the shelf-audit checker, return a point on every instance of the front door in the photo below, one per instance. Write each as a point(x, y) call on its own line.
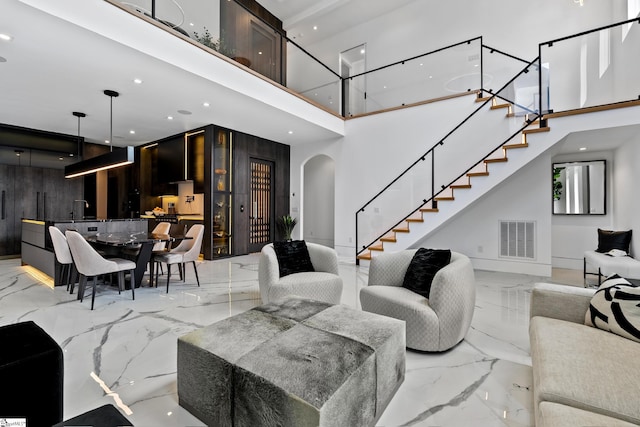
point(261, 220)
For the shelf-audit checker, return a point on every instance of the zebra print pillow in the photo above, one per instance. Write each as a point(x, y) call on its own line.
point(615, 307)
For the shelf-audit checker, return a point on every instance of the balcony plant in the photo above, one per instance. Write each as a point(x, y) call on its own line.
point(285, 225)
point(219, 45)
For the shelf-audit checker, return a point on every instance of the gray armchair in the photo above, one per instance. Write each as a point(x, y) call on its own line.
point(323, 284)
point(434, 324)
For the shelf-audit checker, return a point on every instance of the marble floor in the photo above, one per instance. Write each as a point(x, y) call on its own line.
point(124, 352)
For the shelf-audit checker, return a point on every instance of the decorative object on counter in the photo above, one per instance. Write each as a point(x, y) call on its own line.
point(285, 225)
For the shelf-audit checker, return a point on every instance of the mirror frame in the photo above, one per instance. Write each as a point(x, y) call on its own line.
point(554, 166)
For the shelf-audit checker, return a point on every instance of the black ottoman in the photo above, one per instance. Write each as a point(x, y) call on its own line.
point(31, 374)
point(104, 416)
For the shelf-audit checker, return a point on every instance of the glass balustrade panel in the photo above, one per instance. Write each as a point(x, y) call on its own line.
point(499, 68)
point(447, 72)
point(594, 69)
point(311, 79)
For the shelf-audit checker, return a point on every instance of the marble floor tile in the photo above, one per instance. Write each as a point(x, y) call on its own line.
point(124, 351)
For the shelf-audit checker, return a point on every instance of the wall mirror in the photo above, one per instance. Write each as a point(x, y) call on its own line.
point(579, 188)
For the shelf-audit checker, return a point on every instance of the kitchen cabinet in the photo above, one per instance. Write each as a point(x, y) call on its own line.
point(171, 160)
point(35, 193)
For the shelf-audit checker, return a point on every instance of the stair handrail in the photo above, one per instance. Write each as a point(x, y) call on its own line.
point(432, 149)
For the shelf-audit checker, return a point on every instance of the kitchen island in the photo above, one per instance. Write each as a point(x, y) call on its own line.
point(37, 249)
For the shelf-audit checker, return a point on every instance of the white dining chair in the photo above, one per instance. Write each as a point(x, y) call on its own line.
point(90, 264)
point(160, 247)
point(187, 251)
point(63, 256)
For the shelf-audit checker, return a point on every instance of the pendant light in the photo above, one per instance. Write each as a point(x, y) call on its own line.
point(110, 160)
point(79, 115)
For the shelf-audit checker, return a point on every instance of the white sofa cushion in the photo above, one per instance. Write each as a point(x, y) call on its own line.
point(556, 415)
point(585, 368)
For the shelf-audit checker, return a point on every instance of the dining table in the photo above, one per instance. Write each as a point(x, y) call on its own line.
point(135, 246)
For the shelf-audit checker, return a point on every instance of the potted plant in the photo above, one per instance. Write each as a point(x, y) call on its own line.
point(219, 45)
point(285, 225)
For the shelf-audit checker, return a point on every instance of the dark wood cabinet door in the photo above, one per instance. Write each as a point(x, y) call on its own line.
point(7, 231)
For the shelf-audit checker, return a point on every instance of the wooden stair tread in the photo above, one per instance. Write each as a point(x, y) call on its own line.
point(498, 106)
point(365, 256)
point(429, 210)
point(390, 239)
point(483, 99)
point(536, 130)
point(379, 247)
point(519, 145)
point(444, 198)
point(401, 230)
point(498, 160)
point(458, 186)
point(471, 174)
point(414, 220)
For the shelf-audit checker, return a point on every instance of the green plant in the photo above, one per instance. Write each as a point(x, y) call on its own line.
point(285, 225)
point(219, 45)
point(557, 184)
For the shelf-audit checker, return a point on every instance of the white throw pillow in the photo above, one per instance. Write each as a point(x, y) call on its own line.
point(615, 307)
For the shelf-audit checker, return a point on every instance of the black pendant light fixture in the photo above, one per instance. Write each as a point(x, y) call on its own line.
point(79, 115)
point(112, 159)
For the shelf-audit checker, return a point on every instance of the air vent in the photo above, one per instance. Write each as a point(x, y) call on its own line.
point(517, 239)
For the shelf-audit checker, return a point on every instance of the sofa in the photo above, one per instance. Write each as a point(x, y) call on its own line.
point(582, 376)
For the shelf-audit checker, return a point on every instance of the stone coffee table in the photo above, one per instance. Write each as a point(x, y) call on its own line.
point(292, 362)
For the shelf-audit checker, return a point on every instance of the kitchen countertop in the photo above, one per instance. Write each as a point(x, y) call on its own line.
point(69, 220)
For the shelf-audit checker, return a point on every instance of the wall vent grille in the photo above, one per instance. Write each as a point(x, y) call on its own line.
point(517, 239)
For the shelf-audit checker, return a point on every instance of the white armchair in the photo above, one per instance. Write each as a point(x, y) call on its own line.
point(434, 324)
point(323, 284)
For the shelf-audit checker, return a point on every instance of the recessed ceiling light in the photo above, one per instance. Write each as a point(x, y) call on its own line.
point(137, 81)
point(583, 148)
point(132, 131)
point(191, 24)
point(430, 77)
point(315, 27)
point(205, 104)
point(260, 53)
point(290, 132)
point(60, 158)
point(106, 141)
point(169, 117)
point(70, 154)
point(5, 37)
point(362, 51)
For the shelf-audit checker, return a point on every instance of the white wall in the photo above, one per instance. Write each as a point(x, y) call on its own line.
point(319, 201)
point(626, 200)
point(515, 27)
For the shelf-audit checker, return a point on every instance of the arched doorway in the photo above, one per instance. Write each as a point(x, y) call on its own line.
point(318, 209)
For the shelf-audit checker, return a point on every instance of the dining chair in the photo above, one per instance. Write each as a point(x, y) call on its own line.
point(160, 247)
point(187, 251)
point(90, 264)
point(63, 256)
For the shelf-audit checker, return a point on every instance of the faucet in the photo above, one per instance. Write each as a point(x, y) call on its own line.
point(73, 207)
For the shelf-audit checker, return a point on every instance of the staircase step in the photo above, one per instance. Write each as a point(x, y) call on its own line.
point(498, 106)
point(536, 130)
point(434, 210)
point(472, 174)
point(460, 186)
point(379, 247)
point(519, 145)
point(483, 99)
point(415, 220)
point(445, 198)
point(401, 229)
point(389, 239)
point(498, 160)
point(365, 256)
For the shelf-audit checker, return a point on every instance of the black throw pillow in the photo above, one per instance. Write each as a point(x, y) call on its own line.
point(423, 268)
point(608, 239)
point(293, 257)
